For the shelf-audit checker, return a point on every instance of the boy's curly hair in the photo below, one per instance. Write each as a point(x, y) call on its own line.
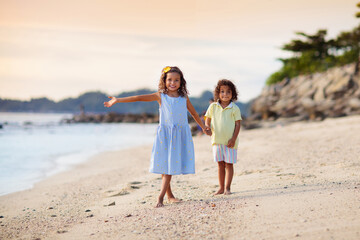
point(162, 83)
point(225, 82)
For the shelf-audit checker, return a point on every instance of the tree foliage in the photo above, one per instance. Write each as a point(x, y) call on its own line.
point(314, 53)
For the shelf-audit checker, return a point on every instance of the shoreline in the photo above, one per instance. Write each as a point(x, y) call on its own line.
point(299, 181)
point(63, 164)
point(33, 153)
point(58, 168)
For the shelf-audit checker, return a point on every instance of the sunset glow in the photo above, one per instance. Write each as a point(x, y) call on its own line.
point(61, 49)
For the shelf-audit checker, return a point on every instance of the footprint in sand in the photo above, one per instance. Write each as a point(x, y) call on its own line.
point(121, 193)
point(135, 183)
point(285, 174)
point(126, 190)
point(246, 172)
point(110, 204)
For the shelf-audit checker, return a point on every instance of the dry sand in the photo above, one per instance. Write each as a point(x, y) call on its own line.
point(300, 181)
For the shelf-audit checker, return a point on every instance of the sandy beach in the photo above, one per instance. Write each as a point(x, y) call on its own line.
point(300, 181)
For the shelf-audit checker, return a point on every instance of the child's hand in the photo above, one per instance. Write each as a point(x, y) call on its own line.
point(231, 143)
point(207, 131)
point(111, 102)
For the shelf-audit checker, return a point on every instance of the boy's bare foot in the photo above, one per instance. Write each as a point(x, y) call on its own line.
point(227, 192)
point(221, 191)
point(174, 200)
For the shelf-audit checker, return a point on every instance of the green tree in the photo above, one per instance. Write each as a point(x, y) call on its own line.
point(358, 13)
point(308, 55)
point(315, 44)
point(358, 60)
point(314, 53)
point(348, 45)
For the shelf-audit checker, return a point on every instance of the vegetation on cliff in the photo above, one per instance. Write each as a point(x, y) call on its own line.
point(314, 53)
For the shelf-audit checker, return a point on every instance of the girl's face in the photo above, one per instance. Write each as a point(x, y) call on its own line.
point(225, 94)
point(172, 81)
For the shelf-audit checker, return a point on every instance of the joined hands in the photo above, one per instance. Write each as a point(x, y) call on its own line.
point(207, 131)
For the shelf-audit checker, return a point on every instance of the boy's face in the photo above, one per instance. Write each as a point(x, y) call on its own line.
point(225, 94)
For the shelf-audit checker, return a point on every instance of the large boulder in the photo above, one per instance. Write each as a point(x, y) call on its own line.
point(333, 93)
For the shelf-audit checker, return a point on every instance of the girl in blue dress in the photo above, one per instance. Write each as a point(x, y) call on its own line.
point(173, 149)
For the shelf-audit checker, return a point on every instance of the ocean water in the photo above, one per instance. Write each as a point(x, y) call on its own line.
point(35, 146)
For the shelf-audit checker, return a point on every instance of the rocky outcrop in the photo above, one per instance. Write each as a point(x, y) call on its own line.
point(333, 93)
point(113, 117)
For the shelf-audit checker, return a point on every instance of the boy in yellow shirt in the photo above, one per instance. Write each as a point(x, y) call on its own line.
point(224, 118)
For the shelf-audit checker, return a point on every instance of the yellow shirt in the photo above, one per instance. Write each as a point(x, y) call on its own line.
point(223, 122)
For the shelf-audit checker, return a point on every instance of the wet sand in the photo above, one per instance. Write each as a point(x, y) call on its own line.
point(299, 181)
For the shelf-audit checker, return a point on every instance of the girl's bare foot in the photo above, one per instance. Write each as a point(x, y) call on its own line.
point(160, 203)
point(221, 191)
point(227, 192)
point(174, 200)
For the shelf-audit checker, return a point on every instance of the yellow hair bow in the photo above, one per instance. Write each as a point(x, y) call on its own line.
point(166, 69)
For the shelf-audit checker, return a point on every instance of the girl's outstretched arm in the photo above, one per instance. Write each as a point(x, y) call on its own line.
point(138, 98)
point(196, 117)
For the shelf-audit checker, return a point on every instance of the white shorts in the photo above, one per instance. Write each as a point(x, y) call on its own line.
point(222, 153)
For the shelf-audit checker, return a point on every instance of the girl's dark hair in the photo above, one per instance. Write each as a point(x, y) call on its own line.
point(225, 82)
point(162, 83)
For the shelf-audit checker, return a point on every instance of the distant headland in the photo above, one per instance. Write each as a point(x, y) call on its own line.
point(92, 103)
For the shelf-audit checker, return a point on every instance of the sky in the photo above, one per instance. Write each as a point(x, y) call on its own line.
point(63, 48)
